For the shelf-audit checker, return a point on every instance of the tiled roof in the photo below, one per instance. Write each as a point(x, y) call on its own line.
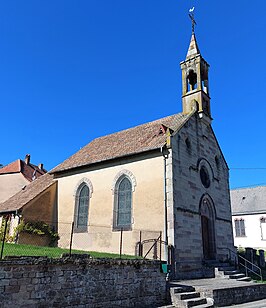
point(31, 191)
point(250, 200)
point(19, 166)
point(134, 140)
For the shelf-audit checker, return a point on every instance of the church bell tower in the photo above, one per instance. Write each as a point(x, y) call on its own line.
point(195, 79)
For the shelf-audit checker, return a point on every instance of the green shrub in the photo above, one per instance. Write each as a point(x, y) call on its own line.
point(39, 228)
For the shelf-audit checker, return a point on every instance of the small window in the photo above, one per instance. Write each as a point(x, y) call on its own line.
point(82, 208)
point(263, 228)
point(204, 176)
point(188, 145)
point(240, 227)
point(123, 204)
point(217, 162)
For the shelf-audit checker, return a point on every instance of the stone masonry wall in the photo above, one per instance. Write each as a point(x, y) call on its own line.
point(193, 146)
point(80, 282)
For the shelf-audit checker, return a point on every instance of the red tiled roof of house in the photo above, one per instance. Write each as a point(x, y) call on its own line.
point(19, 166)
point(28, 193)
point(145, 137)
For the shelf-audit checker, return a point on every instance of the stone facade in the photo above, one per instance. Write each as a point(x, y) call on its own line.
point(195, 146)
point(81, 282)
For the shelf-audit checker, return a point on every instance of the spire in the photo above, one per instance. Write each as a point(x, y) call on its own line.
point(193, 49)
point(195, 80)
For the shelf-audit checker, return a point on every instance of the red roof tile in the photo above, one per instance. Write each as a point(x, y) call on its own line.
point(13, 167)
point(19, 166)
point(135, 140)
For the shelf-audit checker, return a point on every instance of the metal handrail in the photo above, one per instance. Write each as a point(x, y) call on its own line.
point(155, 243)
point(245, 265)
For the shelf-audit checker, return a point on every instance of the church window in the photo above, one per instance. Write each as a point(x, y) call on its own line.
point(263, 228)
point(240, 228)
point(188, 145)
point(123, 204)
point(82, 208)
point(204, 176)
point(217, 162)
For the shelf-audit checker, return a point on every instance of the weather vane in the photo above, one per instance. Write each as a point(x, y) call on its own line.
point(192, 17)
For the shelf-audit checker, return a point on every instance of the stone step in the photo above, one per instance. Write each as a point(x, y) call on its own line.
point(236, 276)
point(226, 268)
point(244, 279)
point(194, 302)
point(183, 296)
point(234, 272)
point(205, 306)
point(182, 289)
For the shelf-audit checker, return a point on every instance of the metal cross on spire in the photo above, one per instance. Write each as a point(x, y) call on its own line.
point(192, 17)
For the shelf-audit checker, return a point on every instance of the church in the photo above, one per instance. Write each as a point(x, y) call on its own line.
point(166, 179)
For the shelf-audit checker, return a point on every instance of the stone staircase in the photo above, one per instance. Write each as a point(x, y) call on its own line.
point(186, 296)
point(228, 271)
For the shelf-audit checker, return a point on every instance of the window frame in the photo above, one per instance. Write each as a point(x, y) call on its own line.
point(116, 226)
point(81, 229)
point(240, 227)
point(263, 222)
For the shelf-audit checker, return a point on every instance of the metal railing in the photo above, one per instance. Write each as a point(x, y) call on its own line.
point(248, 265)
point(55, 238)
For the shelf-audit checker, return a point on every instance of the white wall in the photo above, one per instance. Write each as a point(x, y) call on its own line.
point(253, 231)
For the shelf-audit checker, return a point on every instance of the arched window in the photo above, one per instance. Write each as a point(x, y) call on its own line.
point(82, 208)
point(123, 204)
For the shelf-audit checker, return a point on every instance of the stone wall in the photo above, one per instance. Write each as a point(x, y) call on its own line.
point(80, 282)
point(194, 147)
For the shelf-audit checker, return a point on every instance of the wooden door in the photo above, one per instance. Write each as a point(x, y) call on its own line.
point(206, 237)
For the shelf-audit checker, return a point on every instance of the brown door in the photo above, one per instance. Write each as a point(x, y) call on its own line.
point(206, 237)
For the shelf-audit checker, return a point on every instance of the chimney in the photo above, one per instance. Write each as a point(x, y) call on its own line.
point(40, 166)
point(27, 159)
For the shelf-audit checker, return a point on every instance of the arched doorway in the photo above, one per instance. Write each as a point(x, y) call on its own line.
point(207, 215)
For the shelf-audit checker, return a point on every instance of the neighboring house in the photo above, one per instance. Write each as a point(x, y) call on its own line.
point(14, 176)
point(249, 216)
point(34, 202)
point(166, 177)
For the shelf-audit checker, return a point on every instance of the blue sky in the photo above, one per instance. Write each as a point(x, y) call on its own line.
point(71, 71)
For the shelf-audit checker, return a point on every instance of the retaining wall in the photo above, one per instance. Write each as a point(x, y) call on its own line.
point(81, 282)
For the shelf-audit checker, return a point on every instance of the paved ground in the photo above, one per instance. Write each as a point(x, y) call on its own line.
point(213, 283)
point(256, 304)
point(220, 283)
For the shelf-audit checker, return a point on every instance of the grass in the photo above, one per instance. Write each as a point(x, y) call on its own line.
point(53, 252)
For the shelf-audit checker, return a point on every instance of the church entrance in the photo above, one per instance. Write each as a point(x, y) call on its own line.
point(208, 229)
